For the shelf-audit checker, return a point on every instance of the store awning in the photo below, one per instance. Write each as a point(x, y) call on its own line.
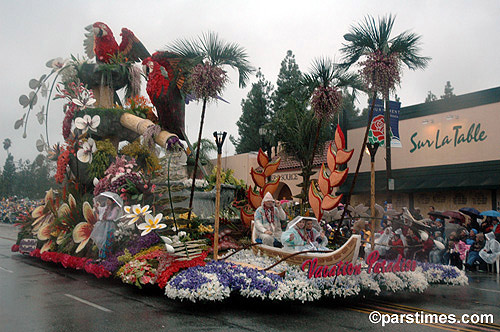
point(483, 175)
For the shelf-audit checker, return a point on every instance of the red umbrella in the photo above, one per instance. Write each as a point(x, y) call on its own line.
point(455, 215)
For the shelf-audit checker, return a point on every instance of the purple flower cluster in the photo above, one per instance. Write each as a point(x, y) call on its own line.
point(325, 102)
point(137, 244)
point(120, 170)
point(233, 276)
point(381, 71)
point(448, 271)
point(208, 81)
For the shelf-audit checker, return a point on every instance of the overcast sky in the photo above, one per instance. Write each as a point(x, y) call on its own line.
point(461, 37)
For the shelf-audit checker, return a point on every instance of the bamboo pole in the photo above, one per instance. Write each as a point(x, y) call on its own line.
point(372, 149)
point(372, 202)
point(217, 208)
point(139, 125)
point(219, 140)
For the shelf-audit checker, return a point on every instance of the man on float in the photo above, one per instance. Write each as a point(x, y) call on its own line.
point(268, 218)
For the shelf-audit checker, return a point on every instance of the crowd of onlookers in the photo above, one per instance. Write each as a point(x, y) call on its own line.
point(11, 207)
point(468, 241)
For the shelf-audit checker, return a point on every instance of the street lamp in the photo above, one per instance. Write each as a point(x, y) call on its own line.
point(372, 151)
point(263, 131)
point(219, 141)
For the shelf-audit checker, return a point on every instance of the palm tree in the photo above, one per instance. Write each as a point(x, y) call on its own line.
point(372, 40)
point(207, 147)
point(7, 144)
point(324, 84)
point(208, 78)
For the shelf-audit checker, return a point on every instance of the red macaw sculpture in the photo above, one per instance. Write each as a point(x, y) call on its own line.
point(166, 73)
point(101, 43)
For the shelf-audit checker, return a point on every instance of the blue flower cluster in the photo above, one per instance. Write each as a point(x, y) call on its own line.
point(448, 271)
point(233, 276)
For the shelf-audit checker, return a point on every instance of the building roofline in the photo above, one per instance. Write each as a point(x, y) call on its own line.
point(468, 100)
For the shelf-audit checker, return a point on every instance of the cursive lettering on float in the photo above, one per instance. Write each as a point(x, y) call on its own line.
point(346, 268)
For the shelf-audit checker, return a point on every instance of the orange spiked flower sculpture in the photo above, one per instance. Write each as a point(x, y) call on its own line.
point(261, 185)
point(321, 196)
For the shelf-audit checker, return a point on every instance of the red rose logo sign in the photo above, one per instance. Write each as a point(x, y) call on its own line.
point(377, 130)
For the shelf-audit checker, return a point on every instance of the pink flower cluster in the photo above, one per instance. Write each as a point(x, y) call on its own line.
point(326, 101)
point(117, 175)
point(381, 72)
point(208, 81)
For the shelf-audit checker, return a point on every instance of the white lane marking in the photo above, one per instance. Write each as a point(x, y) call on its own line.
point(88, 303)
point(485, 289)
point(6, 270)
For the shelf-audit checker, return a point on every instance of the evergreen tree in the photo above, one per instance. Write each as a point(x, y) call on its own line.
point(430, 97)
point(288, 85)
point(256, 113)
point(448, 91)
point(9, 173)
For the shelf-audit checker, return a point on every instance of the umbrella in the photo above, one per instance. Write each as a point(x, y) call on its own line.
point(102, 197)
point(471, 212)
point(438, 215)
point(491, 213)
point(455, 215)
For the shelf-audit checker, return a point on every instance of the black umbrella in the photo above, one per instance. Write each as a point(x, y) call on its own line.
point(438, 214)
point(471, 212)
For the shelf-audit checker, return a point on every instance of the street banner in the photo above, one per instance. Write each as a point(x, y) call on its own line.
point(377, 128)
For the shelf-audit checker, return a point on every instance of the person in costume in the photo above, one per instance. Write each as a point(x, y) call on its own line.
point(295, 238)
point(315, 238)
point(109, 209)
point(268, 218)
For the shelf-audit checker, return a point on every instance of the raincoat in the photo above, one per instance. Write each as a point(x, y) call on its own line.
point(491, 250)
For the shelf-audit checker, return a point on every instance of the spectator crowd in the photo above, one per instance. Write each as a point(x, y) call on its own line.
point(11, 207)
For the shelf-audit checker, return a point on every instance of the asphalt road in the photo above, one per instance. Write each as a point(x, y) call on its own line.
point(40, 296)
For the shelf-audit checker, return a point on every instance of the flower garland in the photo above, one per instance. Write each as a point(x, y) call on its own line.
point(73, 262)
point(220, 279)
point(62, 164)
point(176, 266)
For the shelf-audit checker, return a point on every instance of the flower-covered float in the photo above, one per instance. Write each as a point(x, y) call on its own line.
point(120, 210)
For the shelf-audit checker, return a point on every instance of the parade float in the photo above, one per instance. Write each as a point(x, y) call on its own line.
point(120, 210)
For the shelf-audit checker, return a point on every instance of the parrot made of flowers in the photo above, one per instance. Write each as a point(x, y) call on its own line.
point(166, 73)
point(101, 43)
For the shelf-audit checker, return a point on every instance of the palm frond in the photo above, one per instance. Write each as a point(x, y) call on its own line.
point(220, 53)
point(370, 36)
point(407, 46)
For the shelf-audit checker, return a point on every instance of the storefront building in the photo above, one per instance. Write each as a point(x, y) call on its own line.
point(450, 157)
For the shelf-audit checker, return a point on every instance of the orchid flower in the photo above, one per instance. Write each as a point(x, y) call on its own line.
point(56, 64)
point(85, 99)
point(168, 243)
point(85, 153)
point(82, 231)
point(135, 212)
point(151, 224)
point(86, 122)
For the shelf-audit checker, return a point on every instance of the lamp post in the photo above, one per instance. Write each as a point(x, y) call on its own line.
point(265, 144)
point(219, 141)
point(372, 151)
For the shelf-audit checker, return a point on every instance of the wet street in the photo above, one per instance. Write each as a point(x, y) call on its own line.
point(40, 296)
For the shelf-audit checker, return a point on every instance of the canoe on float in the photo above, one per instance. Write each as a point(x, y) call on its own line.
point(347, 253)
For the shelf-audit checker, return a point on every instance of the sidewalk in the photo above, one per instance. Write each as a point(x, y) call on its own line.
point(8, 232)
